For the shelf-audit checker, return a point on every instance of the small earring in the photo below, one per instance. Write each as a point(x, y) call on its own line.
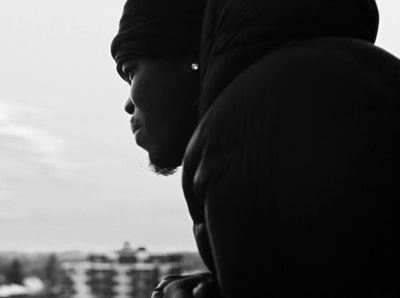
point(195, 66)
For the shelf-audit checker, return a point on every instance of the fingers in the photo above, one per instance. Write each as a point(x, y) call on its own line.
point(172, 292)
point(206, 289)
point(158, 292)
point(176, 286)
point(166, 280)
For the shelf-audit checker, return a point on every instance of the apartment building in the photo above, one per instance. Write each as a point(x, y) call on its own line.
point(129, 273)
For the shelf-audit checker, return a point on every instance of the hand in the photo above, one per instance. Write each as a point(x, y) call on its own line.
point(207, 289)
point(200, 285)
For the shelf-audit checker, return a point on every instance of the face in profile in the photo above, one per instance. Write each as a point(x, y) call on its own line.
point(161, 102)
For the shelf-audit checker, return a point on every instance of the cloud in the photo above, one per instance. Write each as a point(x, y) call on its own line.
point(16, 215)
point(32, 143)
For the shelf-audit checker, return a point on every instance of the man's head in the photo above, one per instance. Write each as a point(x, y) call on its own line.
point(156, 45)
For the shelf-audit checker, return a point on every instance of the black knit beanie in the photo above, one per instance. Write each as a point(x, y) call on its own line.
point(158, 29)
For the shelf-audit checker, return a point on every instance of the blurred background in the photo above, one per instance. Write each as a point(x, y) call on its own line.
point(72, 180)
point(71, 175)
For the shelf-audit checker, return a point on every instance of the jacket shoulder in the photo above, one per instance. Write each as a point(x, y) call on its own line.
point(339, 69)
point(303, 61)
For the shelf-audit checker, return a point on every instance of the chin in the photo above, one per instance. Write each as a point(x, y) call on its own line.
point(165, 162)
point(167, 154)
point(163, 167)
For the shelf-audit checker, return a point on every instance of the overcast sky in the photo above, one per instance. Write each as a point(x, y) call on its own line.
point(71, 176)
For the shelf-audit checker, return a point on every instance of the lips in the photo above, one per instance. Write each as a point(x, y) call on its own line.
point(136, 129)
point(134, 125)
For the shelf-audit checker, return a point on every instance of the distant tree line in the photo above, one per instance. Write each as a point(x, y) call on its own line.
point(49, 271)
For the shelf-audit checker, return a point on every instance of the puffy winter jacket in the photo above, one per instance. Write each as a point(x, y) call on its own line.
point(292, 177)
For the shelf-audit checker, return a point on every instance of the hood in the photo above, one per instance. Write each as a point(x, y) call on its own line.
point(237, 32)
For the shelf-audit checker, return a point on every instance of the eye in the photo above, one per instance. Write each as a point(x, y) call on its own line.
point(128, 78)
point(129, 70)
point(130, 74)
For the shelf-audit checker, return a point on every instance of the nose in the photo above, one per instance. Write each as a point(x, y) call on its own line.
point(129, 107)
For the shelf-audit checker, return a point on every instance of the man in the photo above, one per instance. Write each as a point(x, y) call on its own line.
point(292, 172)
point(156, 51)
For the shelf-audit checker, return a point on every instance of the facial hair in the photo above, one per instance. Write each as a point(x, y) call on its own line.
point(162, 170)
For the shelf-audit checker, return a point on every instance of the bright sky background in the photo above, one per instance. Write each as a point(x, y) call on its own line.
point(71, 176)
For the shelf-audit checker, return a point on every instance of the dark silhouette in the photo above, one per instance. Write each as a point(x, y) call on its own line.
point(291, 161)
point(14, 273)
point(52, 271)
